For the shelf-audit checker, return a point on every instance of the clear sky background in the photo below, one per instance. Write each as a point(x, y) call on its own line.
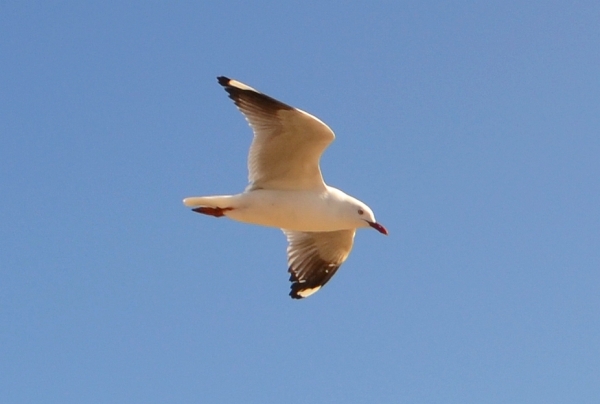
point(471, 128)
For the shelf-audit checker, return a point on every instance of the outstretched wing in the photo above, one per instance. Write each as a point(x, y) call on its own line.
point(313, 258)
point(288, 142)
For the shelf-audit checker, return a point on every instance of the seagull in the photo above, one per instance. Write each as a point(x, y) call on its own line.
point(286, 190)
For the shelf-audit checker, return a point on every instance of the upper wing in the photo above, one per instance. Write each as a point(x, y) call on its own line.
point(313, 258)
point(287, 144)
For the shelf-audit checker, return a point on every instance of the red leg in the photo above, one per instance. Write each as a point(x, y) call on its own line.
point(216, 212)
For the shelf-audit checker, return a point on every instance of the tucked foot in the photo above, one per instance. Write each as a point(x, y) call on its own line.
point(216, 212)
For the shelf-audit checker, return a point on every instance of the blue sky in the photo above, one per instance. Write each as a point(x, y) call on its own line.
point(471, 128)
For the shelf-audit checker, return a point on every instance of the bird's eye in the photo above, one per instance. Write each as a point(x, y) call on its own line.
point(360, 211)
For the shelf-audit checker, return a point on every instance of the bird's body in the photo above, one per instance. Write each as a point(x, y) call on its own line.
point(292, 210)
point(287, 190)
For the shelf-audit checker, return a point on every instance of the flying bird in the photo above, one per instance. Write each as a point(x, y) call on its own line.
point(286, 190)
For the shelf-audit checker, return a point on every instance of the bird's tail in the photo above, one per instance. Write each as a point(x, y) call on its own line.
point(218, 201)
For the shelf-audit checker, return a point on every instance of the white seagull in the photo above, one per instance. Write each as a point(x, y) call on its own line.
point(286, 190)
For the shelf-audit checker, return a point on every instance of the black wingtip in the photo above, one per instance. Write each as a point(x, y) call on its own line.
point(224, 81)
point(241, 93)
point(302, 290)
point(295, 295)
point(295, 286)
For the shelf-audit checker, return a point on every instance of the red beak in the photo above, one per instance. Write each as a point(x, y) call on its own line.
point(378, 227)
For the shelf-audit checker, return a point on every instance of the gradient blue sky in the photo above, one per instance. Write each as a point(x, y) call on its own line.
point(471, 128)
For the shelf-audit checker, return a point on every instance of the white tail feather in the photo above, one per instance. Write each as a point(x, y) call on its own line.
point(219, 201)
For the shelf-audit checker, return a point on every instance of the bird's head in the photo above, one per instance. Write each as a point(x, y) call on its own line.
point(365, 217)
